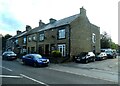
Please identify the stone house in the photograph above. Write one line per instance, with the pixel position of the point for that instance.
(70, 36)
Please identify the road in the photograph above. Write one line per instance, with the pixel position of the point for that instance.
(15, 73)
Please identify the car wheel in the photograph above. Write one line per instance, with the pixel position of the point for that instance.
(35, 64)
(86, 61)
(22, 62)
(93, 60)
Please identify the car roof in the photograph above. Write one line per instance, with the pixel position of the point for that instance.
(33, 54)
(8, 52)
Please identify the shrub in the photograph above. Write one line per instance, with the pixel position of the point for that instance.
(56, 53)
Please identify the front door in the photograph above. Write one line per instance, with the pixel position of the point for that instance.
(47, 49)
(61, 48)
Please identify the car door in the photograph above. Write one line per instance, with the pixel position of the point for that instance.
(30, 60)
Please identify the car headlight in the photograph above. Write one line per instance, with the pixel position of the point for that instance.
(8, 55)
(76, 57)
(39, 60)
(47, 60)
(83, 57)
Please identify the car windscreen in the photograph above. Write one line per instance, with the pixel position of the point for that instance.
(9, 52)
(108, 51)
(82, 54)
(37, 56)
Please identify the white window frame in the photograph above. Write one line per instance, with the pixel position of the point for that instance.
(16, 41)
(29, 38)
(61, 33)
(34, 38)
(62, 49)
(93, 38)
(24, 40)
(41, 37)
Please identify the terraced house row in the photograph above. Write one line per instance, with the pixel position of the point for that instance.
(70, 36)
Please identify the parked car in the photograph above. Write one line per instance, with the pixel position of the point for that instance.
(85, 57)
(9, 55)
(110, 53)
(101, 56)
(35, 60)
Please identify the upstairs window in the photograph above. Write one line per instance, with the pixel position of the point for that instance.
(61, 34)
(93, 38)
(29, 39)
(16, 41)
(41, 37)
(24, 40)
(34, 38)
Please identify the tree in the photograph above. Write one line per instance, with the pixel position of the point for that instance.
(105, 40)
(4, 39)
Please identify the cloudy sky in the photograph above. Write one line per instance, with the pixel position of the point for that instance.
(16, 14)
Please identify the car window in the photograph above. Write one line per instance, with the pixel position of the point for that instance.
(37, 56)
(108, 51)
(83, 54)
(27, 56)
(10, 52)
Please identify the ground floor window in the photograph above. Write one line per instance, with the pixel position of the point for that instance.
(61, 48)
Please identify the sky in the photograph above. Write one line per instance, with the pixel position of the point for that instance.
(16, 14)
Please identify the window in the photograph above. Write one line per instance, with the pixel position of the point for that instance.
(24, 40)
(34, 38)
(61, 48)
(93, 38)
(61, 33)
(16, 41)
(29, 39)
(41, 36)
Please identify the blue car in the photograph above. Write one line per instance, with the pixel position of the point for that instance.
(35, 60)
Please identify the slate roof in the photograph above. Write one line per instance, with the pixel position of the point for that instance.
(22, 34)
(36, 29)
(58, 23)
(61, 22)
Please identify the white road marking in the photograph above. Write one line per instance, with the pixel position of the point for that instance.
(6, 68)
(8, 76)
(34, 80)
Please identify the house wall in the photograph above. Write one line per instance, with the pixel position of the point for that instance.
(31, 44)
(51, 38)
(81, 36)
(96, 30)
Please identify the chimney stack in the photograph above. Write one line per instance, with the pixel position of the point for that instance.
(18, 32)
(82, 11)
(52, 20)
(28, 28)
(41, 24)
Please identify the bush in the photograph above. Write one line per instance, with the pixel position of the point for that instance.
(56, 53)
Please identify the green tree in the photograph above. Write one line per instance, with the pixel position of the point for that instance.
(105, 40)
(4, 39)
